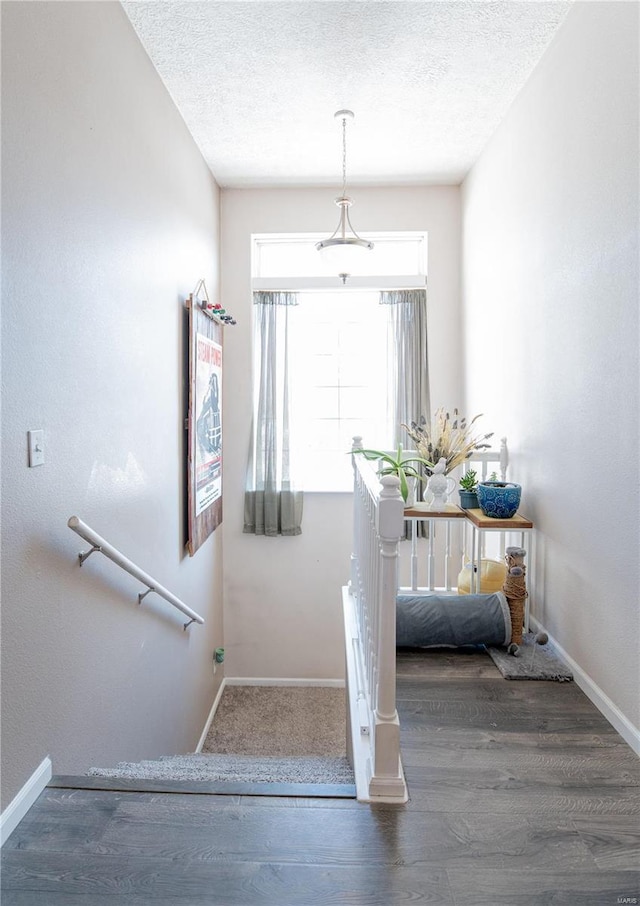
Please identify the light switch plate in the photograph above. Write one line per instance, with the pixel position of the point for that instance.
(36, 448)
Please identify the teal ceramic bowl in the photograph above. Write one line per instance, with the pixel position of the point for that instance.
(499, 499)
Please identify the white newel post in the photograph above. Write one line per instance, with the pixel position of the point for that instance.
(387, 778)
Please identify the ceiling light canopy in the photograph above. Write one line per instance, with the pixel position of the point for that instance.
(339, 248)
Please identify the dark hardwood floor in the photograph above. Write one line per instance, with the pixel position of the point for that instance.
(521, 794)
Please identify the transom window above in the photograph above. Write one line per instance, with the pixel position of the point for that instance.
(400, 256)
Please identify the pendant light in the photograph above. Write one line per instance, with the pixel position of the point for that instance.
(339, 249)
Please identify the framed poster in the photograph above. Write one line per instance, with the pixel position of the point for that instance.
(204, 425)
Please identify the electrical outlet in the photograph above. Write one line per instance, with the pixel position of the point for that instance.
(218, 658)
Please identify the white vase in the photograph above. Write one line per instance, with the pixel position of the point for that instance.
(437, 491)
(411, 491)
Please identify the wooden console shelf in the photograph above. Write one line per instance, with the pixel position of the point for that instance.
(515, 524)
(479, 524)
(476, 517)
(422, 511)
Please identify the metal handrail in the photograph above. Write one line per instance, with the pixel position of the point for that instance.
(98, 544)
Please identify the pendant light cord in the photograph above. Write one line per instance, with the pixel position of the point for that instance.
(344, 155)
(340, 237)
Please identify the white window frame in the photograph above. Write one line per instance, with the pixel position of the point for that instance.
(291, 284)
(334, 283)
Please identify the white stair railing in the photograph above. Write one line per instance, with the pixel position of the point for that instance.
(98, 544)
(370, 632)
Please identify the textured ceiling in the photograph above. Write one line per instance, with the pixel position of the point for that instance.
(258, 82)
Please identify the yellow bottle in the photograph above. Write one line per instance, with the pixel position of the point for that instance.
(492, 575)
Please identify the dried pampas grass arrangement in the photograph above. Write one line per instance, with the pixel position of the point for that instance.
(450, 437)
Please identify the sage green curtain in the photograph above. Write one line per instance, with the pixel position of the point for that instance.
(272, 503)
(409, 369)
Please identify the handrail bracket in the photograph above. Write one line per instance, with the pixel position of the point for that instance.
(186, 625)
(143, 595)
(85, 556)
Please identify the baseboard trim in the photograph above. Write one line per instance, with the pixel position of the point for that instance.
(283, 681)
(24, 799)
(212, 714)
(600, 699)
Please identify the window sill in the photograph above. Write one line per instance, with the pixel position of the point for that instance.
(326, 491)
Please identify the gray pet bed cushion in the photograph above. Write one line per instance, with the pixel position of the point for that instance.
(449, 621)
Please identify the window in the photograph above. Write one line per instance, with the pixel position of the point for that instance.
(339, 384)
(340, 350)
(296, 256)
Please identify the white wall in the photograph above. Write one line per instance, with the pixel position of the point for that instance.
(282, 595)
(110, 216)
(550, 289)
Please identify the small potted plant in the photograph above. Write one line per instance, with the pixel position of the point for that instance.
(404, 468)
(467, 491)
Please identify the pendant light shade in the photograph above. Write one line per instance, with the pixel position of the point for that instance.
(340, 248)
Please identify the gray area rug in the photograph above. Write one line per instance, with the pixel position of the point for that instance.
(234, 768)
(534, 662)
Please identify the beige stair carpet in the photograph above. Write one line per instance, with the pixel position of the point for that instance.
(279, 721)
